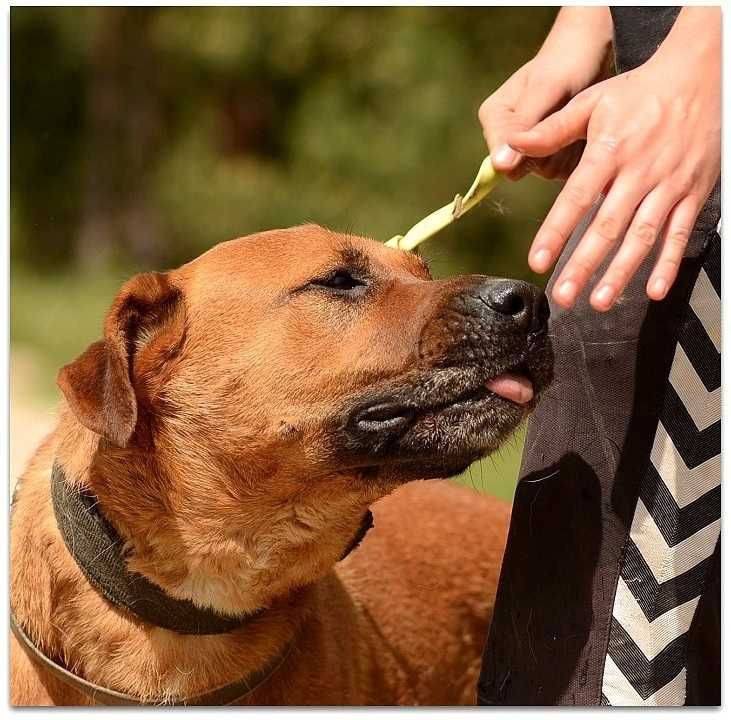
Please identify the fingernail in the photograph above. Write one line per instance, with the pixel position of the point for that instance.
(604, 295)
(659, 288)
(541, 260)
(567, 291)
(505, 156)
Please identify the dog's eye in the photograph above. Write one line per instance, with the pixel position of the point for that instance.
(339, 280)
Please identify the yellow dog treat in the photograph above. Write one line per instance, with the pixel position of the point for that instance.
(482, 186)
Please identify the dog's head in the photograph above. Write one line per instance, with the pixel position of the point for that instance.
(300, 373)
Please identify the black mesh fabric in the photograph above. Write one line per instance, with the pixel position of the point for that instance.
(579, 479)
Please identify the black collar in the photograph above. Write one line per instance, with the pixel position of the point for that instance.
(228, 694)
(99, 553)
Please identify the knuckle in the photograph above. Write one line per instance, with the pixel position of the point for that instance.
(694, 201)
(618, 276)
(645, 234)
(678, 237)
(581, 268)
(608, 105)
(608, 228)
(670, 265)
(555, 126)
(692, 177)
(655, 112)
(607, 145)
(578, 195)
(601, 154)
(550, 236)
(676, 189)
(682, 185)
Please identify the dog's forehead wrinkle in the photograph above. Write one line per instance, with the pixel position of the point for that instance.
(352, 256)
(296, 255)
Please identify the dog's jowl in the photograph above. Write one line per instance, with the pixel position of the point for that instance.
(179, 536)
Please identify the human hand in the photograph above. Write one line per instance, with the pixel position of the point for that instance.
(574, 55)
(653, 148)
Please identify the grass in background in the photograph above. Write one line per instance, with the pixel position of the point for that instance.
(57, 317)
(498, 473)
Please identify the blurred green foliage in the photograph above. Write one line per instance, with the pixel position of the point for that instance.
(142, 136)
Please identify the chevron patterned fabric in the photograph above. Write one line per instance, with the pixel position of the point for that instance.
(676, 526)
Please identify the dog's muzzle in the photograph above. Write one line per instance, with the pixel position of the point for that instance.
(483, 359)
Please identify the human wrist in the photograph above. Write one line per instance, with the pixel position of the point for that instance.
(692, 45)
(579, 47)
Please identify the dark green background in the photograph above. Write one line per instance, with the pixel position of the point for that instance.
(140, 137)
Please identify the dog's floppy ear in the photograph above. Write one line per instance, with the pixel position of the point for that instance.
(99, 385)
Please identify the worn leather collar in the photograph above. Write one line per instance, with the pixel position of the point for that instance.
(225, 695)
(98, 550)
(99, 553)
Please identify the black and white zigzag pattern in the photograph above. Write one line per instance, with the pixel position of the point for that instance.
(677, 519)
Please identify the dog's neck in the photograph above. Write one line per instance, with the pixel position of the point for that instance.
(85, 629)
(99, 553)
(240, 554)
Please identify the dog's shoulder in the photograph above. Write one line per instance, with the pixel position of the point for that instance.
(430, 562)
(444, 512)
(433, 538)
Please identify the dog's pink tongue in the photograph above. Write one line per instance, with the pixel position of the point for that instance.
(512, 387)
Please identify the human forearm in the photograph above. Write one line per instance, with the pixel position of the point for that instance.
(695, 33)
(691, 55)
(581, 38)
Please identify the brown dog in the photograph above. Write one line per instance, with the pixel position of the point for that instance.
(233, 427)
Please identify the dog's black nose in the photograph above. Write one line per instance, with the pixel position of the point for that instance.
(525, 303)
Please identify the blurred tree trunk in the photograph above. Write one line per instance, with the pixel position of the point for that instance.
(124, 124)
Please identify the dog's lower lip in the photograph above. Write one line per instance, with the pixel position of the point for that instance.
(512, 386)
(394, 417)
(385, 416)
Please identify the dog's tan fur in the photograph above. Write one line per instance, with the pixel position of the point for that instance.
(207, 453)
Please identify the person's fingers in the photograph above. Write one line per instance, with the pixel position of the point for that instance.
(541, 95)
(498, 119)
(520, 171)
(603, 234)
(505, 159)
(558, 130)
(637, 244)
(558, 166)
(502, 115)
(527, 97)
(580, 192)
(675, 238)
